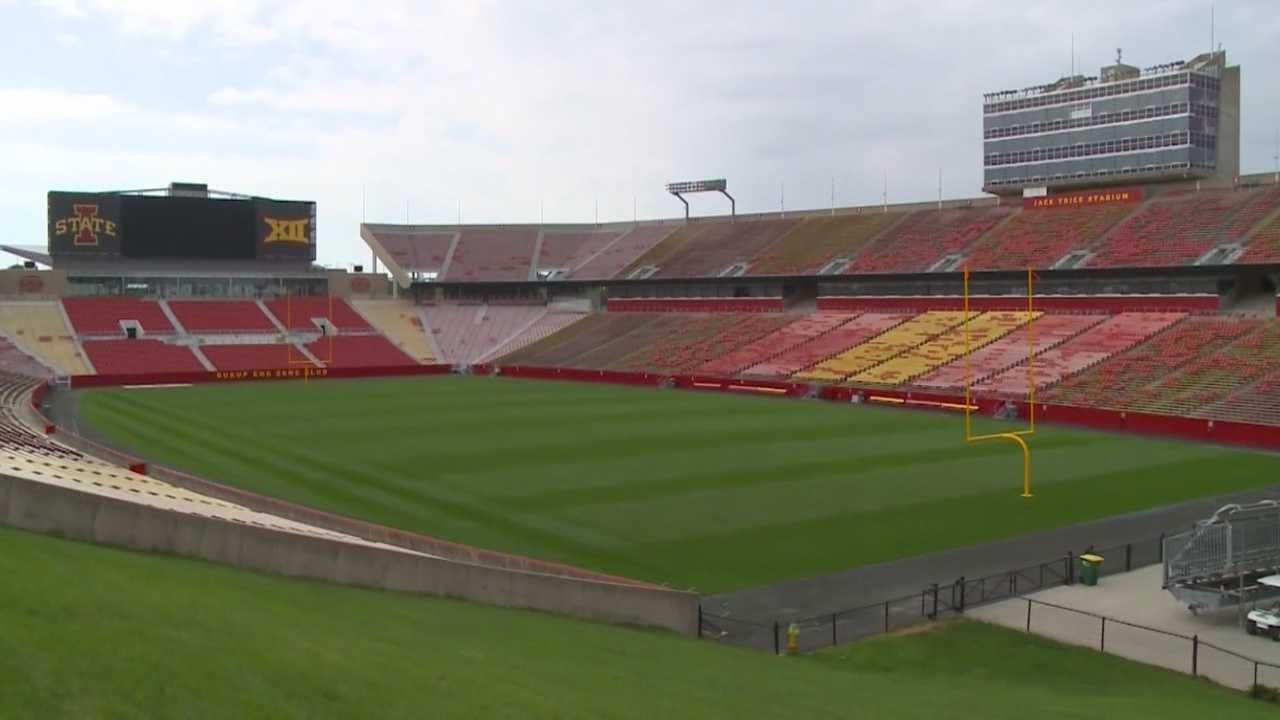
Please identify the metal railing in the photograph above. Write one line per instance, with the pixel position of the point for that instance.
(935, 602)
(1175, 651)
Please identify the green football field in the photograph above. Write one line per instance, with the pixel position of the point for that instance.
(700, 490)
(92, 632)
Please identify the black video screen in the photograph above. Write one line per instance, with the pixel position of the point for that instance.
(178, 227)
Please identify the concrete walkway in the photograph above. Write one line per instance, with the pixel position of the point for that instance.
(1136, 599)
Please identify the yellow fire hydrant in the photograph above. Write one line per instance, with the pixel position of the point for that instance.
(793, 639)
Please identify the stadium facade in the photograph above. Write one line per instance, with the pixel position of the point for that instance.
(1180, 120)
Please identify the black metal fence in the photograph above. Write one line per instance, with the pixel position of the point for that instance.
(931, 603)
(1183, 653)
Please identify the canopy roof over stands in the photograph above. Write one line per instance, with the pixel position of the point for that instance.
(26, 252)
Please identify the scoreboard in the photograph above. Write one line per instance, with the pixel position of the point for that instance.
(180, 227)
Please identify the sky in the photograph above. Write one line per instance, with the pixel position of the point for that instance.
(563, 111)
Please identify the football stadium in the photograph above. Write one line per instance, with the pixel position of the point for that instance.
(1013, 451)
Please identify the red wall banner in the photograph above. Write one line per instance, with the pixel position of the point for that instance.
(188, 378)
(1086, 197)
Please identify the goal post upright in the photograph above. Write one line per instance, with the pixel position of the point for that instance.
(306, 363)
(1015, 436)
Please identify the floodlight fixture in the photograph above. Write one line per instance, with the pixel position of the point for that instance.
(720, 185)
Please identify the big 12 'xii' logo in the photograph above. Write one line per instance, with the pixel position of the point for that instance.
(287, 231)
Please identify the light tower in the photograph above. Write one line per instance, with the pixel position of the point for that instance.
(679, 189)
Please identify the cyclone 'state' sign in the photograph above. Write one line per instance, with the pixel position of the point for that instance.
(84, 223)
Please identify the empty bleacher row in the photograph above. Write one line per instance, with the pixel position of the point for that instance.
(325, 332)
(33, 457)
(1076, 354)
(466, 333)
(855, 330)
(129, 336)
(688, 346)
(1161, 362)
(1126, 375)
(40, 329)
(774, 344)
(1044, 334)
(709, 249)
(978, 332)
(1168, 362)
(1182, 229)
(492, 254)
(1170, 229)
(884, 347)
(221, 316)
(1041, 238)
(924, 239)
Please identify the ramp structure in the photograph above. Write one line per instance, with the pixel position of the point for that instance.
(1218, 563)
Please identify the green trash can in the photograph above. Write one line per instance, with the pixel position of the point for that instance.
(1089, 565)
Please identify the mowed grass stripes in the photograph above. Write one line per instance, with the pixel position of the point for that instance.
(703, 490)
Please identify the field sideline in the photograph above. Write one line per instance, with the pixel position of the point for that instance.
(97, 632)
(700, 490)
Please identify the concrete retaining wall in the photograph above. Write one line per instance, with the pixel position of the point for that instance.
(68, 513)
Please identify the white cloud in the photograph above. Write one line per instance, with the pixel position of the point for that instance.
(64, 8)
(38, 105)
(501, 105)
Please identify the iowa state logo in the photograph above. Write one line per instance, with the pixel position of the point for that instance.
(287, 231)
(31, 284)
(84, 225)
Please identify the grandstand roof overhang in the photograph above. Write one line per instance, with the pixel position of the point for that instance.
(35, 255)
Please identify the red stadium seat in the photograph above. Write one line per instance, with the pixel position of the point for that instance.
(140, 357)
(221, 316)
(102, 316)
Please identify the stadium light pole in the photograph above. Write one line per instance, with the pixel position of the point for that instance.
(680, 189)
(1276, 157)
(782, 198)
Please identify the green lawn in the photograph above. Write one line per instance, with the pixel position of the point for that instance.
(701, 490)
(89, 632)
